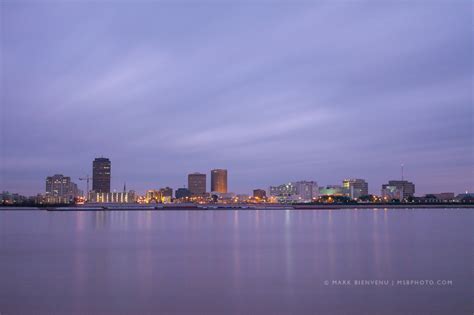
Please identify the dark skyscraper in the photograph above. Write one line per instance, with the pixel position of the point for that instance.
(197, 184)
(219, 180)
(101, 168)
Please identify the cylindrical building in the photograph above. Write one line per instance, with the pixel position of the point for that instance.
(219, 181)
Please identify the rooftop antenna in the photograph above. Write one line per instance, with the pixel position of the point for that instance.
(402, 170)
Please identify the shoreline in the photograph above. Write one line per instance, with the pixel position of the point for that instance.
(243, 207)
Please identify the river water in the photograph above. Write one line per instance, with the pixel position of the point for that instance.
(365, 261)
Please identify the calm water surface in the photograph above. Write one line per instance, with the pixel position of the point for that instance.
(236, 262)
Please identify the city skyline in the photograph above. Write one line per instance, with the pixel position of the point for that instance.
(197, 185)
(236, 157)
(207, 183)
(272, 94)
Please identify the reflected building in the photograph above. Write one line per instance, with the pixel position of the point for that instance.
(197, 184)
(219, 181)
(101, 172)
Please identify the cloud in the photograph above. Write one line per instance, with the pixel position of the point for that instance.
(310, 90)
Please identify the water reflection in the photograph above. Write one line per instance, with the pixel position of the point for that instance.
(288, 233)
(145, 220)
(236, 251)
(263, 261)
(376, 243)
(100, 219)
(387, 244)
(80, 221)
(331, 243)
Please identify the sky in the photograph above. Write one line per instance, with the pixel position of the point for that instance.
(272, 91)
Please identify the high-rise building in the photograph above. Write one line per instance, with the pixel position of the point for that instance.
(406, 188)
(58, 185)
(355, 187)
(259, 193)
(197, 184)
(60, 188)
(306, 190)
(219, 181)
(101, 169)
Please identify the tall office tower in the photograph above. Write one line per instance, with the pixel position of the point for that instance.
(197, 184)
(101, 169)
(219, 181)
(407, 188)
(307, 190)
(60, 189)
(355, 187)
(58, 185)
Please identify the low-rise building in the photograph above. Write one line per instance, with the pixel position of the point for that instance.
(284, 193)
(445, 196)
(7, 198)
(182, 193)
(465, 198)
(112, 197)
(332, 190)
(260, 194)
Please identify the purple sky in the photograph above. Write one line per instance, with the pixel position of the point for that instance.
(273, 92)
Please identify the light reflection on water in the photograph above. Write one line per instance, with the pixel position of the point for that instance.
(249, 261)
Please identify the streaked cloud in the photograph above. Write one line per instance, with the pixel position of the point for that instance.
(278, 91)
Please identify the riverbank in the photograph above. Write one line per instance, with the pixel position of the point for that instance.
(175, 207)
